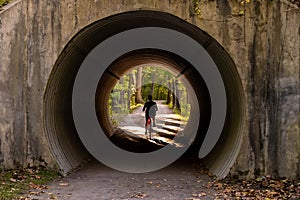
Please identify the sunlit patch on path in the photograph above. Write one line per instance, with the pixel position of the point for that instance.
(168, 125)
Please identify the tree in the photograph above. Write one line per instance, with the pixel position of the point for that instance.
(173, 94)
(122, 91)
(152, 83)
(130, 82)
(138, 97)
(169, 91)
(177, 95)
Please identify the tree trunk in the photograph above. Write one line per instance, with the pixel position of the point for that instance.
(138, 97)
(129, 91)
(177, 92)
(173, 94)
(158, 94)
(152, 84)
(169, 91)
(121, 99)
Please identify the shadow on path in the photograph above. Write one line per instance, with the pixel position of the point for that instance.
(184, 179)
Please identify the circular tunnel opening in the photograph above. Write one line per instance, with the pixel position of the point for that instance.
(65, 143)
(182, 93)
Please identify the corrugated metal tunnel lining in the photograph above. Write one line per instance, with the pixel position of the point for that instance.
(164, 60)
(58, 121)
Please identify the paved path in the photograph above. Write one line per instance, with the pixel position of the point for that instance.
(168, 124)
(182, 180)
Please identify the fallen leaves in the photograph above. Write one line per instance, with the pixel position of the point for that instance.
(202, 194)
(63, 184)
(13, 183)
(13, 180)
(139, 195)
(197, 196)
(37, 186)
(259, 188)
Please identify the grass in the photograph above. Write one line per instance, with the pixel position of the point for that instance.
(14, 183)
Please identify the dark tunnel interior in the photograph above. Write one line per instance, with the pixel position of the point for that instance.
(61, 133)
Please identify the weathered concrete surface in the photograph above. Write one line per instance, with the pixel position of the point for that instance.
(262, 37)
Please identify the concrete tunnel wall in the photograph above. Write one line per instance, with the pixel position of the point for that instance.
(58, 96)
(45, 42)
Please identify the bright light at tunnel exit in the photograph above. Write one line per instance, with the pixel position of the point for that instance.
(127, 99)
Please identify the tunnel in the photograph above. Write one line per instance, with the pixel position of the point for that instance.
(179, 67)
(67, 144)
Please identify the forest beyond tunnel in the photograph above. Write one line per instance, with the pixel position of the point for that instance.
(171, 67)
(67, 146)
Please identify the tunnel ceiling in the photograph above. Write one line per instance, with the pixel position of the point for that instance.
(65, 144)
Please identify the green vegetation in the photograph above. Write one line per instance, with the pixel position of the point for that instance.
(133, 107)
(238, 10)
(182, 116)
(196, 7)
(13, 183)
(4, 2)
(133, 88)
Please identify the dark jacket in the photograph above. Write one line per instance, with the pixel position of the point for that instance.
(151, 108)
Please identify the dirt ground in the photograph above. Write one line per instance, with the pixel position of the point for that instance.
(181, 180)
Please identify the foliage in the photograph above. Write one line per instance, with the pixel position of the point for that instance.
(196, 7)
(242, 6)
(160, 83)
(133, 107)
(237, 10)
(13, 183)
(4, 2)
